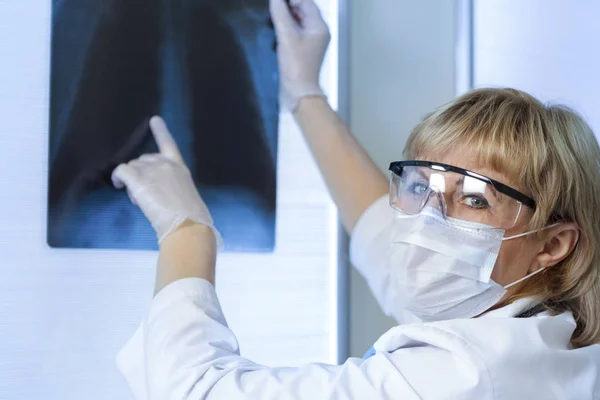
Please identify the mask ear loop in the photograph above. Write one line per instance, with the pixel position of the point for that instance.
(531, 232)
(524, 278)
(539, 270)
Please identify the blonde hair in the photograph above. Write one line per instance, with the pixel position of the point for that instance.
(553, 155)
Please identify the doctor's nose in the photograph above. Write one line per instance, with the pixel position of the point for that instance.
(435, 199)
(436, 192)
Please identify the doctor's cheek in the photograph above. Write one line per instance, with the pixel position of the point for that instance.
(513, 262)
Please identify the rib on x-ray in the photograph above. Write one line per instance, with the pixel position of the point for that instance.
(208, 67)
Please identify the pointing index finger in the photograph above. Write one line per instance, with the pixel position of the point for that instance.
(166, 144)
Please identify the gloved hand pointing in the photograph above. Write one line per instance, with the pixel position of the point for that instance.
(302, 40)
(162, 186)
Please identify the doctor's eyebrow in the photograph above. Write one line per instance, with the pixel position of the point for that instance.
(424, 172)
(493, 190)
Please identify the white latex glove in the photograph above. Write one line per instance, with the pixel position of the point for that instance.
(302, 40)
(162, 186)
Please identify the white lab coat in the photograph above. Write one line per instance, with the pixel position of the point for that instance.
(184, 350)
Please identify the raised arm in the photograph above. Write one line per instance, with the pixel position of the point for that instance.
(352, 178)
(162, 186)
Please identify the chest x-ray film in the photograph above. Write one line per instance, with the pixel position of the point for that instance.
(208, 67)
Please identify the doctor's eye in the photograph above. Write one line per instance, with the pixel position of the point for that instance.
(417, 188)
(476, 202)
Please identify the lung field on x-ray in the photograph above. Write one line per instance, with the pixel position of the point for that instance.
(208, 67)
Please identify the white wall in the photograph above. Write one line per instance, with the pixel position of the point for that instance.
(551, 50)
(402, 65)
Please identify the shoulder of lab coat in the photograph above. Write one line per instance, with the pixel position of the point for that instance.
(523, 358)
(184, 350)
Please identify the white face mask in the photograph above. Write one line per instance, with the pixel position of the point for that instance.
(443, 268)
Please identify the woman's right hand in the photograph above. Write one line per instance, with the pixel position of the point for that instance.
(302, 40)
(162, 186)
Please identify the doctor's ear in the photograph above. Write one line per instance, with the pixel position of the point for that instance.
(559, 243)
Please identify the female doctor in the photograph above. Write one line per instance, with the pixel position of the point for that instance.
(489, 255)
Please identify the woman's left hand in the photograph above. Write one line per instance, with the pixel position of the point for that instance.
(162, 186)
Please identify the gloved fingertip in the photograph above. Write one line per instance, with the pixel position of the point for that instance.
(164, 140)
(116, 181)
(117, 184)
(157, 122)
(123, 175)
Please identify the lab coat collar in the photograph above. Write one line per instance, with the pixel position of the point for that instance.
(513, 309)
(389, 340)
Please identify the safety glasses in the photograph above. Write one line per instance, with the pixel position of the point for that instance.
(460, 194)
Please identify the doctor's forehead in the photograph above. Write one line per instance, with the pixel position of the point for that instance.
(467, 158)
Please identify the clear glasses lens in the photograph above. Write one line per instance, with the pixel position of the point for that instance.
(459, 196)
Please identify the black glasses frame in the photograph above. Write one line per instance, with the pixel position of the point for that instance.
(397, 166)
